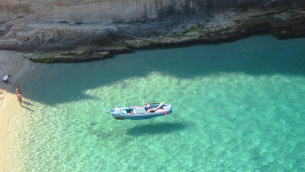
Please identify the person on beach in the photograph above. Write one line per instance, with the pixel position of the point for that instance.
(19, 98)
(6, 79)
(18, 90)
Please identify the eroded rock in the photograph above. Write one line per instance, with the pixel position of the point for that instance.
(94, 29)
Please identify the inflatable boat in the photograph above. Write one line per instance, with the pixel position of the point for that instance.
(141, 112)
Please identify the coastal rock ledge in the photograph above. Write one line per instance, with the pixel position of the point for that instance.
(82, 30)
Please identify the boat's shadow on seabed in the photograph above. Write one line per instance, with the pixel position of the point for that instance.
(159, 128)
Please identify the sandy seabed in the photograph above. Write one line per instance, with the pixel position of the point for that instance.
(11, 63)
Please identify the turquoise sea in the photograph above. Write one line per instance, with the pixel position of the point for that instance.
(238, 106)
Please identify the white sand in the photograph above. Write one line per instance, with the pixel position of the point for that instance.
(10, 63)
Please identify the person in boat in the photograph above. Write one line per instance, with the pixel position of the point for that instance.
(148, 108)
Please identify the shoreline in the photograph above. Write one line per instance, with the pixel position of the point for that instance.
(15, 65)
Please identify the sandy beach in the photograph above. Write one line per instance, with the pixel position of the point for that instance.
(11, 63)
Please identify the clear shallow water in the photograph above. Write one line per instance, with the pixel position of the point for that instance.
(237, 107)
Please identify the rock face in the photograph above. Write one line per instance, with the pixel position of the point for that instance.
(114, 11)
(105, 25)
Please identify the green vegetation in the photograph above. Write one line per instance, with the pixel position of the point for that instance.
(187, 30)
(195, 28)
(43, 58)
(177, 35)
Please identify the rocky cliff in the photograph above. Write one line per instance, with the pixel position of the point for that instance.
(96, 28)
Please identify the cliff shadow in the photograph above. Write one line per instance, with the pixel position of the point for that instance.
(260, 55)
